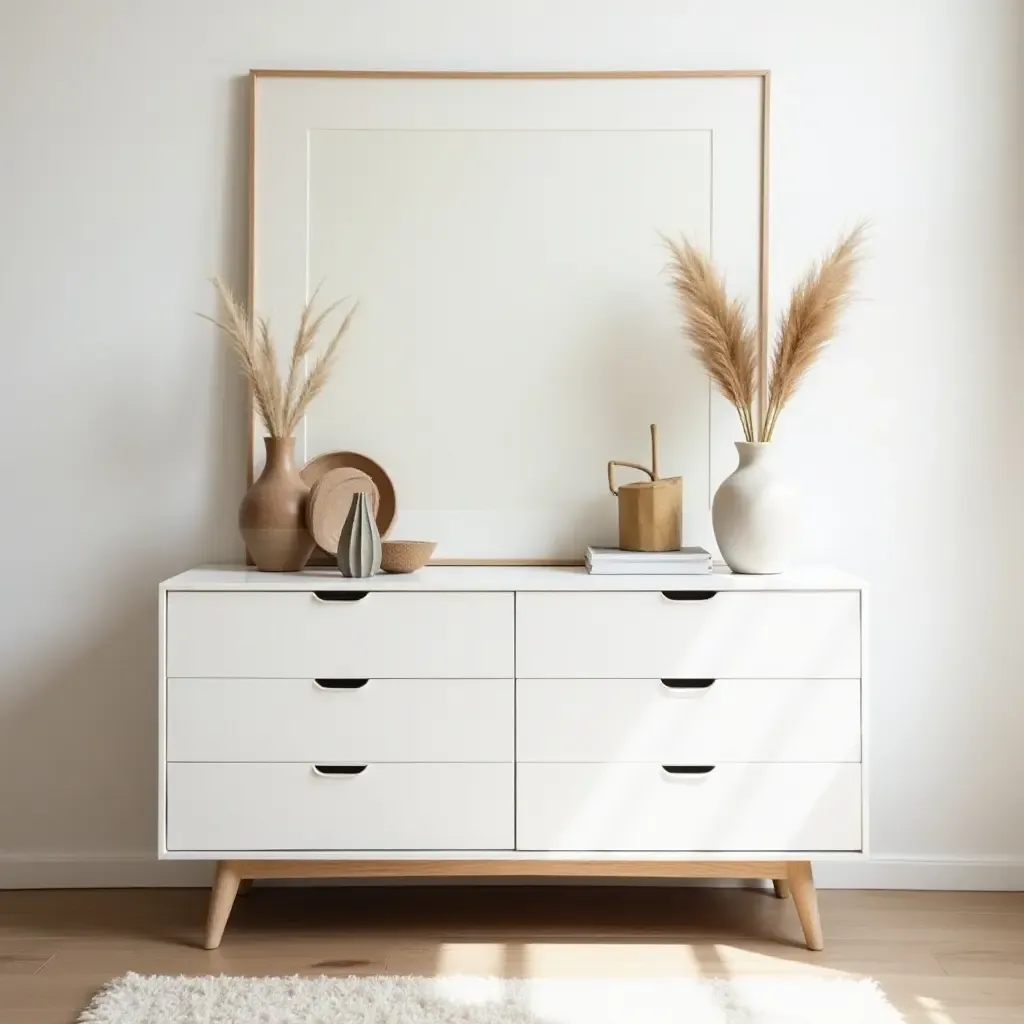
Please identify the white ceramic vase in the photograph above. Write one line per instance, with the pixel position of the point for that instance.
(756, 513)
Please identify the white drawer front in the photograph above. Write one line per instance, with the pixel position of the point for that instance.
(256, 807)
(743, 635)
(687, 721)
(349, 720)
(735, 807)
(295, 634)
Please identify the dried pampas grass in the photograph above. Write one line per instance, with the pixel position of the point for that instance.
(280, 405)
(724, 341)
(811, 321)
(717, 327)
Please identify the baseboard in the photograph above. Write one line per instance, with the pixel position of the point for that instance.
(969, 874)
(144, 871)
(101, 871)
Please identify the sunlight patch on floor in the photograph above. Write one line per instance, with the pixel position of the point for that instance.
(735, 961)
(485, 959)
(934, 1010)
(627, 960)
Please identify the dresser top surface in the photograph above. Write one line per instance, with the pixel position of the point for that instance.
(505, 578)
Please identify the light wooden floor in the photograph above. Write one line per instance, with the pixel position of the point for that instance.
(942, 958)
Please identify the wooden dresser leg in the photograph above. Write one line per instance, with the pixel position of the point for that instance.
(781, 888)
(801, 883)
(222, 898)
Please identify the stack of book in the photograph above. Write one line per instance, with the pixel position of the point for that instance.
(615, 561)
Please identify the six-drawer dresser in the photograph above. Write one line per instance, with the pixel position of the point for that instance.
(512, 721)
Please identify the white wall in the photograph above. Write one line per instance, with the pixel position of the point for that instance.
(123, 185)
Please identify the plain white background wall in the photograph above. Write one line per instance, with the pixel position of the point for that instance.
(123, 160)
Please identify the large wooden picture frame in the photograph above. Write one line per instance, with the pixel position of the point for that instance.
(516, 330)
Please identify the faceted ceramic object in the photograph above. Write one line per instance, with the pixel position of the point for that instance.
(359, 545)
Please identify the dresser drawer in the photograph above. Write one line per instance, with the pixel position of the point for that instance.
(744, 635)
(354, 720)
(734, 807)
(265, 807)
(296, 634)
(688, 721)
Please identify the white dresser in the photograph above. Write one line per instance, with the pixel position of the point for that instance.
(519, 721)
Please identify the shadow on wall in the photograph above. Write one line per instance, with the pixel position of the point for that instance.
(149, 479)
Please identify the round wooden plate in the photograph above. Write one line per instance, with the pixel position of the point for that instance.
(330, 499)
(387, 504)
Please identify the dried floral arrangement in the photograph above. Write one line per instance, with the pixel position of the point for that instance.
(726, 344)
(281, 404)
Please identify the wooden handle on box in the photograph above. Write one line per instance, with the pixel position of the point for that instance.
(624, 465)
(652, 472)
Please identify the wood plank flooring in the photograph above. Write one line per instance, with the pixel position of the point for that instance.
(941, 958)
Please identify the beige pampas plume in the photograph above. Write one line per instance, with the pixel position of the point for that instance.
(321, 372)
(811, 321)
(717, 328)
(725, 343)
(280, 405)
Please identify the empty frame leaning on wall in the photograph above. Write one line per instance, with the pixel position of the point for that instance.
(502, 232)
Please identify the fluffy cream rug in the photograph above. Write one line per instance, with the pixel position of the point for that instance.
(138, 999)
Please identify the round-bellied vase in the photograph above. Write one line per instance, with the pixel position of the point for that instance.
(756, 513)
(272, 516)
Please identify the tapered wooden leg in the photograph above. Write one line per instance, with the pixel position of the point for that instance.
(222, 898)
(781, 888)
(805, 897)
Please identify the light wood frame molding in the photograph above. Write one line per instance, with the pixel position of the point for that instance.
(762, 75)
(790, 877)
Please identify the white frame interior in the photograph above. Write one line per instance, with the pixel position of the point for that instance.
(291, 109)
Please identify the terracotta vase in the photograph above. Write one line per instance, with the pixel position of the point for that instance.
(272, 516)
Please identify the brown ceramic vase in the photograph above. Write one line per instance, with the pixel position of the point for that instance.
(272, 516)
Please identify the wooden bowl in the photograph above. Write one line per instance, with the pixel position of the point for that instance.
(406, 555)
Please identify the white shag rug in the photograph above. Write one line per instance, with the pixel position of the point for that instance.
(141, 999)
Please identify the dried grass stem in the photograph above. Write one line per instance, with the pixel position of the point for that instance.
(717, 328)
(725, 342)
(280, 405)
(811, 321)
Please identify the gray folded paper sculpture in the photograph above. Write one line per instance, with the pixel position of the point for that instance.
(359, 545)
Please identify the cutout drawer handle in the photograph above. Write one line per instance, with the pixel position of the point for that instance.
(689, 595)
(330, 771)
(687, 769)
(339, 595)
(687, 684)
(339, 684)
